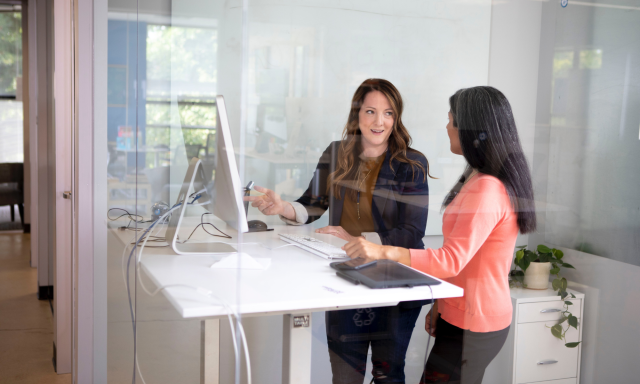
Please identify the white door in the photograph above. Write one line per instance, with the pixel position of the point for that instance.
(63, 142)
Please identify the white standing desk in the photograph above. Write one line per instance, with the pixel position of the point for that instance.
(296, 284)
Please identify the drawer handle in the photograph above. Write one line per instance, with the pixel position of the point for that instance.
(550, 310)
(546, 362)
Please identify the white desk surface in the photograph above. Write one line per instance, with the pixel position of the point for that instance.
(296, 282)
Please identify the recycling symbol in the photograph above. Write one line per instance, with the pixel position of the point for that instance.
(363, 316)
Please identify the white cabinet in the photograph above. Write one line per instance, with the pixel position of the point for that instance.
(531, 353)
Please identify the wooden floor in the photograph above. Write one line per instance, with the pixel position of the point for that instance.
(26, 324)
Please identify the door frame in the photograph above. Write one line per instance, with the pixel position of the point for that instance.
(90, 191)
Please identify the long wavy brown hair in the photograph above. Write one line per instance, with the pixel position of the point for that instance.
(351, 146)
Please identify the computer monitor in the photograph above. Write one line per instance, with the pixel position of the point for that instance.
(224, 199)
(228, 204)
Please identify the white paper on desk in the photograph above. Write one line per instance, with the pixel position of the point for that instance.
(242, 261)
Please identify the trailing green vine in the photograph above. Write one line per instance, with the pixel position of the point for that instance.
(543, 254)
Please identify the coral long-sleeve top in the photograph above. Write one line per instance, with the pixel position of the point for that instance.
(480, 230)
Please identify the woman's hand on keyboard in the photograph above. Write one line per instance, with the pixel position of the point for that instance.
(336, 231)
(366, 249)
(271, 204)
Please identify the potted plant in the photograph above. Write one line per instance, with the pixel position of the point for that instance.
(535, 269)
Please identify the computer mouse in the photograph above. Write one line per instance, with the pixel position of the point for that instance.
(257, 224)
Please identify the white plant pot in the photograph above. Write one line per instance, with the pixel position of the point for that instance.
(537, 276)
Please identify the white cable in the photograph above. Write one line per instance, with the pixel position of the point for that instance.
(124, 276)
(426, 353)
(139, 258)
(122, 266)
(229, 312)
(144, 288)
(246, 351)
(146, 238)
(199, 192)
(207, 293)
(200, 290)
(148, 234)
(139, 370)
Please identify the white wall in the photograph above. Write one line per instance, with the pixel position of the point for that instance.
(515, 42)
(513, 69)
(611, 333)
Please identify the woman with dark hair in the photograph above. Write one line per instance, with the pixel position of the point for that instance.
(482, 216)
(375, 187)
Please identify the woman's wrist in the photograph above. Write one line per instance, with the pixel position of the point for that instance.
(399, 254)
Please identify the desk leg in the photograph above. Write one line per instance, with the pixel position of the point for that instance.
(210, 352)
(296, 349)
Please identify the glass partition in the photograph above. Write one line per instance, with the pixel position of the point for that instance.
(287, 89)
(304, 63)
(287, 73)
(162, 87)
(587, 156)
(592, 123)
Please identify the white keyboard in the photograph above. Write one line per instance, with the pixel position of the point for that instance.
(315, 246)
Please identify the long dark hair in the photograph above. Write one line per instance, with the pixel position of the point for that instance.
(490, 144)
(350, 147)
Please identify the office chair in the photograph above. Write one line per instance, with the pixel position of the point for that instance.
(12, 187)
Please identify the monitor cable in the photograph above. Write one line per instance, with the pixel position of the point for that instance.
(200, 290)
(426, 352)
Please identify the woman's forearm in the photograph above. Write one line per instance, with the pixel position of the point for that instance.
(288, 212)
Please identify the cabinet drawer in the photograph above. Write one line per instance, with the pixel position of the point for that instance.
(546, 310)
(542, 357)
(573, 380)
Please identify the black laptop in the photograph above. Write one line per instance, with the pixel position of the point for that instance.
(385, 274)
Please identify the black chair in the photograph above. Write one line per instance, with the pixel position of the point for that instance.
(193, 150)
(12, 187)
(210, 148)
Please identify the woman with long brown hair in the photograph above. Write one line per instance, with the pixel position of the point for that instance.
(374, 186)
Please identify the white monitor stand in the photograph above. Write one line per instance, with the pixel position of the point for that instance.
(194, 178)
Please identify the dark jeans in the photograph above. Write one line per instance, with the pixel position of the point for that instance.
(460, 356)
(387, 329)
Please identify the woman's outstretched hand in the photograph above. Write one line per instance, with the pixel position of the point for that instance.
(271, 204)
(366, 249)
(336, 231)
